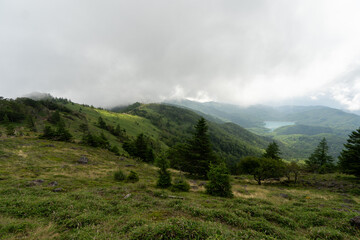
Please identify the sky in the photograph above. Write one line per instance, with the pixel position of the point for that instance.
(115, 52)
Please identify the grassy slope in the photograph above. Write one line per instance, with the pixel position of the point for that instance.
(92, 205)
(165, 125)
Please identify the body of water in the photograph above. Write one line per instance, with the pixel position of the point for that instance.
(272, 125)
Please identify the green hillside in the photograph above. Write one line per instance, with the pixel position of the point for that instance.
(66, 190)
(229, 140)
(163, 124)
(312, 123)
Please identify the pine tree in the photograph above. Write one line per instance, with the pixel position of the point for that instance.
(101, 123)
(30, 123)
(349, 160)
(141, 147)
(164, 180)
(272, 151)
(198, 152)
(219, 184)
(320, 161)
(55, 117)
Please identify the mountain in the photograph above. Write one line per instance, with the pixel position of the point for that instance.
(310, 124)
(164, 125)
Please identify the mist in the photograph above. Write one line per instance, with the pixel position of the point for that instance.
(108, 53)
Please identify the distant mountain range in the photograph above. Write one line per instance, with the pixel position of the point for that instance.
(255, 116)
(311, 123)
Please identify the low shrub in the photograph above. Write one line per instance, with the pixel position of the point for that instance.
(180, 228)
(119, 176)
(180, 185)
(132, 177)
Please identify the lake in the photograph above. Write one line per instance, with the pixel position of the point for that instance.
(272, 125)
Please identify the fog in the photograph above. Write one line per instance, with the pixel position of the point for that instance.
(110, 53)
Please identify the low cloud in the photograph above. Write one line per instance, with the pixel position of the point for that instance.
(244, 52)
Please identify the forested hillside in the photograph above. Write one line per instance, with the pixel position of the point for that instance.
(162, 125)
(311, 124)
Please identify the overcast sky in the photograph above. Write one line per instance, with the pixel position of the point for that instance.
(108, 52)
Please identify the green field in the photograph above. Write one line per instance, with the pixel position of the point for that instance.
(87, 203)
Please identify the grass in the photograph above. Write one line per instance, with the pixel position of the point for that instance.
(91, 204)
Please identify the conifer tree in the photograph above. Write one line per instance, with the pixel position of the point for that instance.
(272, 151)
(320, 161)
(219, 184)
(101, 123)
(198, 153)
(31, 123)
(349, 160)
(164, 179)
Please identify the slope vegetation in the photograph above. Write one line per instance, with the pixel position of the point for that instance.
(46, 193)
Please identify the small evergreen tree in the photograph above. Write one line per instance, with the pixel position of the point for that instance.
(55, 118)
(30, 123)
(62, 134)
(164, 180)
(198, 153)
(320, 161)
(101, 123)
(219, 181)
(132, 177)
(117, 130)
(349, 160)
(272, 151)
(115, 150)
(140, 148)
(10, 130)
(49, 133)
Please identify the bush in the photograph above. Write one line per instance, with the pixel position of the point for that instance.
(132, 177)
(10, 130)
(115, 150)
(119, 176)
(219, 184)
(60, 134)
(180, 185)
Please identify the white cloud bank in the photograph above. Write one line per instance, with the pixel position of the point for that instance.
(243, 52)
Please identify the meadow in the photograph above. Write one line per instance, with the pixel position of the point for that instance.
(46, 193)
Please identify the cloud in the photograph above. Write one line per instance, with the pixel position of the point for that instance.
(115, 52)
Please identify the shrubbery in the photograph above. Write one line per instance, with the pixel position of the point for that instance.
(60, 134)
(180, 185)
(119, 176)
(132, 177)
